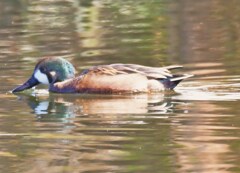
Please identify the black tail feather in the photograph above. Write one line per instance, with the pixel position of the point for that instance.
(168, 84)
(172, 82)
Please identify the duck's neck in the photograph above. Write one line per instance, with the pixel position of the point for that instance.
(66, 86)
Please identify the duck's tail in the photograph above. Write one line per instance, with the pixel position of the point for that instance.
(172, 82)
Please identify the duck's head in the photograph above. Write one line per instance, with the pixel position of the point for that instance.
(48, 71)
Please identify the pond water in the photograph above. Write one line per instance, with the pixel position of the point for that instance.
(195, 128)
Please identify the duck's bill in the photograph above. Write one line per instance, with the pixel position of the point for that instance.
(29, 84)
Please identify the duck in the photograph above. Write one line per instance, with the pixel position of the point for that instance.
(60, 76)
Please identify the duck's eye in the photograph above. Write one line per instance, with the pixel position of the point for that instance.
(50, 77)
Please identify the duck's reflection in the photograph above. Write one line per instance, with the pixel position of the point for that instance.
(66, 106)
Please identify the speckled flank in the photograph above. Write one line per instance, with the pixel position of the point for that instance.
(94, 83)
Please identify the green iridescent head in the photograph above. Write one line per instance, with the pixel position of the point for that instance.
(49, 71)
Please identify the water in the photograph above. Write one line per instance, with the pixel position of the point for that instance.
(192, 129)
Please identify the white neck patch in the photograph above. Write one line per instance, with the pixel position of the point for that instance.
(41, 77)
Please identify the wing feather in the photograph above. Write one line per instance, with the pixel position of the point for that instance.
(149, 72)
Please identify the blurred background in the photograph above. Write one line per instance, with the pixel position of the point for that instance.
(192, 129)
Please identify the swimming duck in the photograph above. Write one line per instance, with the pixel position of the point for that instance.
(59, 75)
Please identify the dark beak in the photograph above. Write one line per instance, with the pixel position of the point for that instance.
(29, 84)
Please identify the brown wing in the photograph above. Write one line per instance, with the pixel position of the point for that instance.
(116, 69)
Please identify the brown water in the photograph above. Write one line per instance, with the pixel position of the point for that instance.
(194, 129)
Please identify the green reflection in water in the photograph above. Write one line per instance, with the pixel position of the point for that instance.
(195, 130)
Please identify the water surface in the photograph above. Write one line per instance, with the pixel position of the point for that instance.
(192, 129)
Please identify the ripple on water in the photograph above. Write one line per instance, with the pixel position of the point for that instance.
(218, 88)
